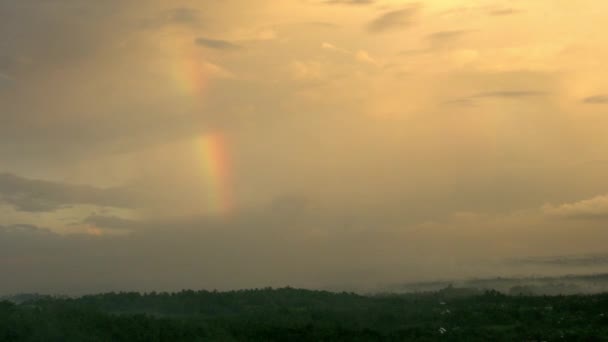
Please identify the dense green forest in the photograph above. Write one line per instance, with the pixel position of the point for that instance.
(288, 314)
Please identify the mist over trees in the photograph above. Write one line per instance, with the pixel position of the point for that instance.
(301, 315)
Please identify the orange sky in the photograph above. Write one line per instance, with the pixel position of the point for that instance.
(481, 123)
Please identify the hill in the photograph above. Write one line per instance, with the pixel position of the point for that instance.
(301, 315)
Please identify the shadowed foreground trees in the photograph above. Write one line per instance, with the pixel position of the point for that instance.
(301, 315)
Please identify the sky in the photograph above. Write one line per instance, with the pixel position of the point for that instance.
(162, 145)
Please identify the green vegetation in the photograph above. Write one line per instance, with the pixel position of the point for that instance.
(301, 315)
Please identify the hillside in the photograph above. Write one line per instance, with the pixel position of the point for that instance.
(301, 315)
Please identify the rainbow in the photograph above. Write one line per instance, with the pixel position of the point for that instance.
(216, 169)
(191, 74)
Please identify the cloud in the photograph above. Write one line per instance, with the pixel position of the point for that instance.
(393, 20)
(332, 47)
(503, 12)
(361, 56)
(291, 242)
(436, 41)
(24, 229)
(184, 15)
(57, 57)
(504, 94)
(307, 70)
(566, 260)
(97, 97)
(234, 254)
(43, 196)
(364, 57)
(350, 2)
(596, 99)
(180, 16)
(490, 10)
(509, 94)
(111, 222)
(591, 209)
(52, 33)
(217, 44)
(443, 37)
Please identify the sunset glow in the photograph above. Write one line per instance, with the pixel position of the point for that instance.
(248, 143)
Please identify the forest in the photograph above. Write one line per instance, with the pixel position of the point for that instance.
(288, 314)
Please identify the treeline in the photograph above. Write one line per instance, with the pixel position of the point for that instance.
(301, 315)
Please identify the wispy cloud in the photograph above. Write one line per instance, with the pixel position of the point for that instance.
(437, 41)
(503, 12)
(24, 229)
(323, 24)
(442, 37)
(596, 99)
(393, 20)
(111, 222)
(349, 2)
(509, 94)
(489, 10)
(590, 209)
(40, 196)
(361, 56)
(217, 44)
(566, 260)
(180, 16)
(503, 94)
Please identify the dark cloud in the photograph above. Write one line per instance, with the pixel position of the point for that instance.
(587, 216)
(505, 94)
(223, 256)
(217, 44)
(69, 124)
(37, 34)
(281, 210)
(111, 222)
(81, 131)
(40, 196)
(284, 244)
(58, 57)
(393, 20)
(596, 99)
(24, 229)
(568, 260)
(290, 242)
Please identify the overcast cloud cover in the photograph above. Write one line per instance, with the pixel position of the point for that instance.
(366, 142)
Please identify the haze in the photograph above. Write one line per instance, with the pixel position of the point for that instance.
(162, 145)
